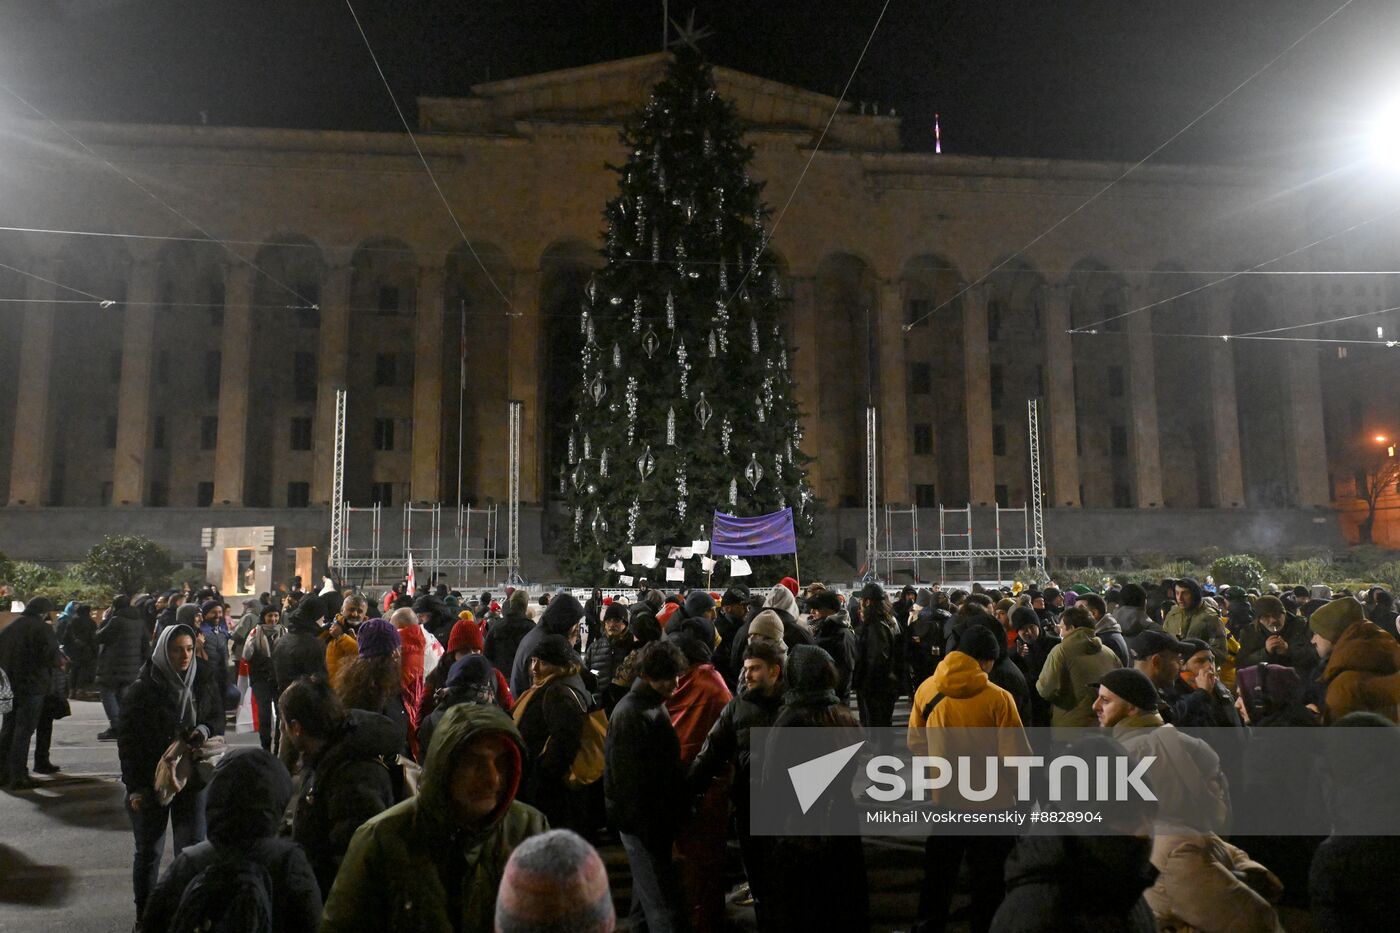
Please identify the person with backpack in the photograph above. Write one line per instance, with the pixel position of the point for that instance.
(174, 697)
(243, 878)
(551, 718)
(462, 825)
(348, 771)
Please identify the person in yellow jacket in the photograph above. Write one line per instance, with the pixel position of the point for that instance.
(341, 645)
(959, 695)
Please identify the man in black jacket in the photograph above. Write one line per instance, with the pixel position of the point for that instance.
(1275, 637)
(831, 628)
(346, 779)
(300, 652)
(879, 672)
(644, 786)
(756, 706)
(29, 655)
(562, 616)
(503, 637)
(123, 644)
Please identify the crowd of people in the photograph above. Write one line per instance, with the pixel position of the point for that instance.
(443, 761)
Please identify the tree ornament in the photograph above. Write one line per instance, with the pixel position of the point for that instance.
(579, 478)
(583, 321)
(681, 491)
(723, 275)
(758, 408)
(650, 343)
(592, 290)
(587, 448)
(599, 525)
(707, 144)
(596, 390)
(655, 245)
(733, 493)
(714, 344)
(631, 409)
(603, 462)
(573, 455)
(684, 361)
(725, 431)
(578, 522)
(704, 411)
(670, 427)
(633, 511)
(689, 211)
(775, 286)
(753, 336)
(617, 357)
(753, 472)
(646, 464)
(563, 480)
(636, 314)
(670, 311)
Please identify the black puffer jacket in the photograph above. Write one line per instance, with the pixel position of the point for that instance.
(729, 742)
(29, 650)
(123, 646)
(150, 721)
(643, 781)
(346, 784)
(247, 797)
(300, 652)
(835, 636)
(503, 640)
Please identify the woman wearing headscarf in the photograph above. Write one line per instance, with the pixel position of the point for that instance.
(173, 697)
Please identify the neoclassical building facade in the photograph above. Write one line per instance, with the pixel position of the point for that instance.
(181, 303)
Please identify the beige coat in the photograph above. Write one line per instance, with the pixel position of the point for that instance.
(1208, 885)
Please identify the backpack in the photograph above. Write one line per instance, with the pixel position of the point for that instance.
(7, 695)
(587, 766)
(226, 897)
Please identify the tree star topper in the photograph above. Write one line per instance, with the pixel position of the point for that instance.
(690, 34)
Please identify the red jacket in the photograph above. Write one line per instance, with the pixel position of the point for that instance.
(699, 698)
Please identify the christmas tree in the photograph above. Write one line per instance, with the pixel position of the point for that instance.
(685, 404)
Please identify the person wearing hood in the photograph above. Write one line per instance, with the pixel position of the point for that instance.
(471, 679)
(1363, 671)
(831, 628)
(1072, 667)
(924, 636)
(248, 794)
(1191, 618)
(122, 648)
(959, 694)
(174, 697)
(1131, 611)
(435, 617)
(440, 855)
(561, 617)
(29, 655)
(258, 645)
(346, 776)
(1106, 627)
(300, 652)
(551, 717)
(504, 637)
(464, 642)
(252, 612)
(78, 639)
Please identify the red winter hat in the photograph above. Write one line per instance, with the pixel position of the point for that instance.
(790, 583)
(465, 637)
(607, 600)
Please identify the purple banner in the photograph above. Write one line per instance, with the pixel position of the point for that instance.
(753, 537)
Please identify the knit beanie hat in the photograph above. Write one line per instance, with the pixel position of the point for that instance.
(208, 605)
(472, 671)
(807, 679)
(980, 643)
(1024, 617)
(1132, 685)
(1332, 619)
(616, 612)
(697, 603)
(1268, 606)
(554, 881)
(378, 637)
(695, 650)
(790, 583)
(767, 624)
(465, 637)
(554, 649)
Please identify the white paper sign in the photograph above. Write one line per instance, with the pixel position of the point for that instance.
(676, 574)
(707, 564)
(644, 554)
(738, 567)
(685, 553)
(700, 547)
(618, 565)
(625, 580)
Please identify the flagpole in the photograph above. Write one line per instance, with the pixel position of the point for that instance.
(796, 570)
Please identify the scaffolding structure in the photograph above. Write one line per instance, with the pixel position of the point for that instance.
(956, 546)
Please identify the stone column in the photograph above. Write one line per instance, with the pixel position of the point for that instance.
(1142, 391)
(523, 369)
(1059, 390)
(129, 473)
(1307, 441)
(235, 357)
(427, 387)
(332, 363)
(894, 397)
(1224, 405)
(806, 372)
(33, 450)
(977, 377)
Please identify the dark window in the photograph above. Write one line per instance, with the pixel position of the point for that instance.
(997, 383)
(916, 311)
(160, 494)
(213, 363)
(163, 367)
(1118, 440)
(923, 440)
(111, 432)
(105, 495)
(208, 432)
(382, 493)
(1039, 379)
(386, 369)
(388, 299)
(158, 433)
(1115, 382)
(301, 434)
(924, 496)
(999, 440)
(993, 321)
(1360, 480)
(384, 434)
(304, 376)
(204, 495)
(920, 379)
(1122, 497)
(298, 495)
(216, 304)
(1003, 498)
(114, 366)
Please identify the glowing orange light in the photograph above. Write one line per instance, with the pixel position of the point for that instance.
(1380, 438)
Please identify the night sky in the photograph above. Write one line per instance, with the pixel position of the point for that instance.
(1098, 79)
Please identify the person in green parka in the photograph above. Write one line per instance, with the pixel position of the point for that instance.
(435, 861)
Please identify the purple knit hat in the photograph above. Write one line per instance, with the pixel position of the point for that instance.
(377, 637)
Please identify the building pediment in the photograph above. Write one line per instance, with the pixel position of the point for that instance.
(609, 92)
